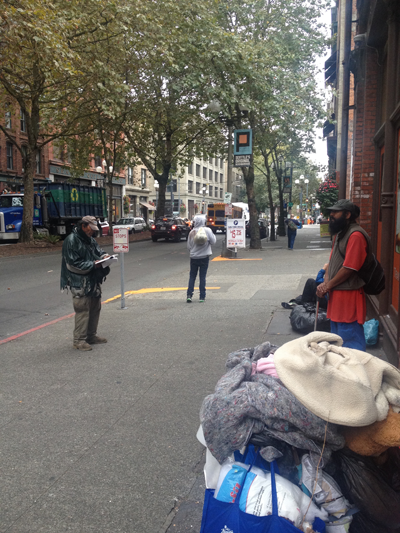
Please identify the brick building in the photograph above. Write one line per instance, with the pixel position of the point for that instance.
(363, 144)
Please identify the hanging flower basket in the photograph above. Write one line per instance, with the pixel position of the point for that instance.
(126, 204)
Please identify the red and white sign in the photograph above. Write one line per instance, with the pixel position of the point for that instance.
(120, 240)
(228, 210)
(235, 233)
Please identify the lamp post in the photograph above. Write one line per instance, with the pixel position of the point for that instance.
(205, 191)
(156, 186)
(300, 182)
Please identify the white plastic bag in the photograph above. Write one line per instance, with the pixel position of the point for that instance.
(256, 499)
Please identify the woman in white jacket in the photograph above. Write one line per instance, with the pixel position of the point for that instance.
(199, 257)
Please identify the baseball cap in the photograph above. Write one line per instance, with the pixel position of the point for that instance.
(91, 221)
(342, 205)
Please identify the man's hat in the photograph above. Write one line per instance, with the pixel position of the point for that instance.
(91, 221)
(342, 205)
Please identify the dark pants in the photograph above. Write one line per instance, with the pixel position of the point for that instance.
(200, 264)
(310, 294)
(291, 235)
(87, 316)
(352, 334)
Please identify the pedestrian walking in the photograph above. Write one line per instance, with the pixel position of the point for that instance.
(347, 304)
(83, 276)
(292, 225)
(199, 245)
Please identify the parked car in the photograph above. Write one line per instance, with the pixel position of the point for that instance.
(264, 229)
(169, 228)
(134, 224)
(105, 226)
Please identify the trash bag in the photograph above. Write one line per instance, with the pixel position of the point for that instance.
(362, 524)
(302, 319)
(371, 487)
(371, 332)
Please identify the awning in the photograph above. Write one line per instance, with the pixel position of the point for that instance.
(330, 68)
(149, 207)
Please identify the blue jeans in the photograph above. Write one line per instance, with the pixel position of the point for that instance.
(200, 264)
(291, 235)
(352, 334)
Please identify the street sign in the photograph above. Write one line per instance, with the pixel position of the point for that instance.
(227, 198)
(243, 142)
(235, 233)
(120, 240)
(228, 210)
(290, 204)
(241, 160)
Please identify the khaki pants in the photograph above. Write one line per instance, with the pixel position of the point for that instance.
(87, 316)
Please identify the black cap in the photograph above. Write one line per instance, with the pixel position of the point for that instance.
(342, 205)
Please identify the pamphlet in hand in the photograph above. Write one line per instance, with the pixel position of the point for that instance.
(107, 261)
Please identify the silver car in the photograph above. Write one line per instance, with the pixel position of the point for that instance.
(133, 224)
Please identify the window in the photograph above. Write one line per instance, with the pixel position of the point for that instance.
(204, 173)
(190, 186)
(198, 171)
(221, 163)
(197, 187)
(210, 191)
(24, 150)
(216, 161)
(97, 161)
(190, 168)
(130, 175)
(23, 121)
(143, 177)
(210, 175)
(220, 193)
(211, 160)
(221, 178)
(10, 160)
(216, 177)
(174, 185)
(8, 119)
(38, 162)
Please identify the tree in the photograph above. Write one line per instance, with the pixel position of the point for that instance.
(44, 71)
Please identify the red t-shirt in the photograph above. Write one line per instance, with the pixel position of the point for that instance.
(350, 306)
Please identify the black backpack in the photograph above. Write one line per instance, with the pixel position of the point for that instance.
(372, 273)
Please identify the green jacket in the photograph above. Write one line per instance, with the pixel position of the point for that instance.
(79, 252)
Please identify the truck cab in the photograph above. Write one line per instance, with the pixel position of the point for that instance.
(11, 209)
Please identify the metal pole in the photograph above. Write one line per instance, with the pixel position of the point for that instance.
(301, 204)
(122, 282)
(230, 166)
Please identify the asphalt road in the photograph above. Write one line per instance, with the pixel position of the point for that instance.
(105, 441)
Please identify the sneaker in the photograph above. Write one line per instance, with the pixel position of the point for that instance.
(82, 345)
(189, 300)
(97, 340)
(201, 301)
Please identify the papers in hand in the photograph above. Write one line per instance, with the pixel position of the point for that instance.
(107, 261)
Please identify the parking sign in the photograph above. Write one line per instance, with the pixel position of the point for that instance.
(120, 240)
(235, 233)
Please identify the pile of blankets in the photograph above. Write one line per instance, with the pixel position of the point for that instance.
(313, 396)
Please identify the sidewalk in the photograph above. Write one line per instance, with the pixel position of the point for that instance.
(105, 441)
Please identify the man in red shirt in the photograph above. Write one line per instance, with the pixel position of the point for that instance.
(347, 305)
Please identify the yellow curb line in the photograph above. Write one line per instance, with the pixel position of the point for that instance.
(148, 291)
(233, 259)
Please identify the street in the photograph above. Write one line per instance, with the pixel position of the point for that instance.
(105, 441)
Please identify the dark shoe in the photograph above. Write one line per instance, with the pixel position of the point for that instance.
(97, 340)
(82, 345)
(189, 300)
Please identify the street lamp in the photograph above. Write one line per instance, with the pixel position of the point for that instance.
(300, 182)
(204, 191)
(156, 186)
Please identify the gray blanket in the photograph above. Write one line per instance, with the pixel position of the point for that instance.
(244, 405)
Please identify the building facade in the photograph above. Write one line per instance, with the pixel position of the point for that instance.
(364, 148)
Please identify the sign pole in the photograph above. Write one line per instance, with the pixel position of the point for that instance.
(122, 282)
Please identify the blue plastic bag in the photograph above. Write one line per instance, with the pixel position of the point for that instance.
(371, 332)
(222, 517)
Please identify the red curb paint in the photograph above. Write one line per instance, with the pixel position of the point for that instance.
(14, 337)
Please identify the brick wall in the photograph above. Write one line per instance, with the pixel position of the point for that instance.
(364, 148)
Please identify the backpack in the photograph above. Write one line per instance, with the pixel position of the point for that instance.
(372, 273)
(201, 237)
(291, 225)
